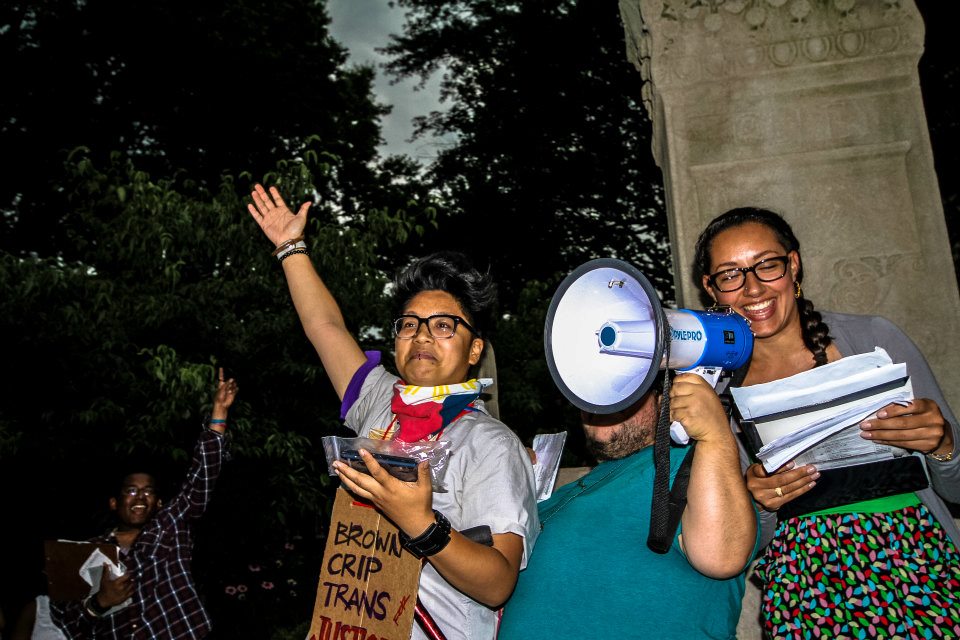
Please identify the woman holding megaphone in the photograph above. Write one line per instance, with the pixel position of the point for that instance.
(849, 565)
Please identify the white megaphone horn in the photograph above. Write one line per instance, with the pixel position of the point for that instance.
(606, 333)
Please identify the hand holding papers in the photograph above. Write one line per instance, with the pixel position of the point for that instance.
(790, 416)
(74, 569)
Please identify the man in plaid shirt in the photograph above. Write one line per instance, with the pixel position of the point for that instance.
(156, 547)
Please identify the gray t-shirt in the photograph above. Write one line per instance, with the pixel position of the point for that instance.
(488, 481)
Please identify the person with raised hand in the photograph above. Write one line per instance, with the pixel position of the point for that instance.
(155, 596)
(443, 306)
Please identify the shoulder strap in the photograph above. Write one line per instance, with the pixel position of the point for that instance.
(660, 541)
(665, 520)
(746, 432)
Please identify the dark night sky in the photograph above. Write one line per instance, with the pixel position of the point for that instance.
(939, 76)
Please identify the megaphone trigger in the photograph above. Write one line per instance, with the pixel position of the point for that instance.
(678, 434)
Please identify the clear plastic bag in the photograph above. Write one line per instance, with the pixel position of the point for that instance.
(399, 459)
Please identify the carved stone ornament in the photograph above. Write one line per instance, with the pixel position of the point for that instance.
(681, 42)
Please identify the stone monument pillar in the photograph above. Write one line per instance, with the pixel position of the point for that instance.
(811, 108)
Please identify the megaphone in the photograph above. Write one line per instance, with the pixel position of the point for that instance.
(606, 336)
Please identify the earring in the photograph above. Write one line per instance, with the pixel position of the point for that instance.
(799, 290)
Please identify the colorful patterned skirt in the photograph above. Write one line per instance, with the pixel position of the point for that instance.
(861, 575)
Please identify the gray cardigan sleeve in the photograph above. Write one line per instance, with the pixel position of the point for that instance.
(856, 334)
(860, 334)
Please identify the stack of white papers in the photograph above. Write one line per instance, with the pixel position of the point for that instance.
(793, 414)
(548, 447)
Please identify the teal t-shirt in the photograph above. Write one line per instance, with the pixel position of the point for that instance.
(591, 572)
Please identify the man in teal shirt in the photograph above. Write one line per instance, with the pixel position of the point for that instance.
(592, 572)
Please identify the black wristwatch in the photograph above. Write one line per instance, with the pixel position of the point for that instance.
(431, 541)
(93, 607)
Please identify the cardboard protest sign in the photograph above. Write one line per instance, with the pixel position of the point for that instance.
(368, 582)
(63, 562)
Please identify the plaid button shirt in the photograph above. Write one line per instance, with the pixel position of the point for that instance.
(165, 604)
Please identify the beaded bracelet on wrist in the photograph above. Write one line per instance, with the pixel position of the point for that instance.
(286, 248)
(290, 253)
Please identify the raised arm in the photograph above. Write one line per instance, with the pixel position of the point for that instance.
(223, 399)
(719, 527)
(197, 488)
(318, 310)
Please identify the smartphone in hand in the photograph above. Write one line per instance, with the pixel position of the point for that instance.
(399, 467)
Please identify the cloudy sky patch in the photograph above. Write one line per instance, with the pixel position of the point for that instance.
(362, 26)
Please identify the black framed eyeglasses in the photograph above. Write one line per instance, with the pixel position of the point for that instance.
(439, 326)
(767, 270)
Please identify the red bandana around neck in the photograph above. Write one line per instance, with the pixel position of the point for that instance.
(424, 411)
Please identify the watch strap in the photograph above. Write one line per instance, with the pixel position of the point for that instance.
(93, 607)
(431, 541)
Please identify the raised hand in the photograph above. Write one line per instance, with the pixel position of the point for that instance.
(273, 215)
(223, 398)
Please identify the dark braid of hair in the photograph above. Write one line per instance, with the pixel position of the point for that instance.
(815, 332)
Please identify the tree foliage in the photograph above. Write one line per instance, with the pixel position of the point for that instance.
(551, 166)
(552, 141)
(191, 90)
(117, 349)
(130, 271)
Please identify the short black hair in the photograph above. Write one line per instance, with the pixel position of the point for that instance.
(139, 463)
(453, 273)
